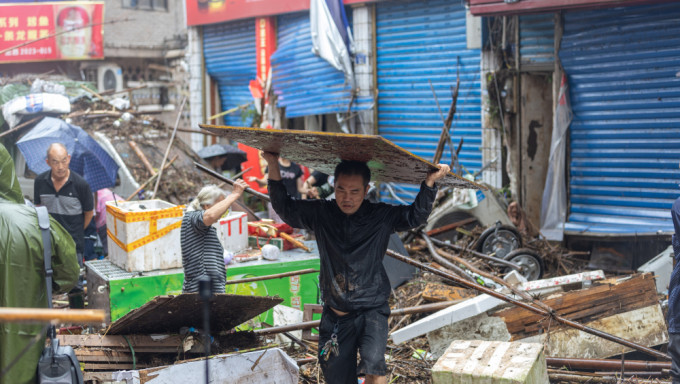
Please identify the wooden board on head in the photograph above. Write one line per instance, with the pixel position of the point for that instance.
(322, 151)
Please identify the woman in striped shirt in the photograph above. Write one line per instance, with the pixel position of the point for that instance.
(202, 252)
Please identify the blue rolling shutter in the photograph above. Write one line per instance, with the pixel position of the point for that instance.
(306, 84)
(419, 41)
(623, 67)
(537, 41)
(229, 50)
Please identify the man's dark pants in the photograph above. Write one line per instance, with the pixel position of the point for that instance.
(365, 331)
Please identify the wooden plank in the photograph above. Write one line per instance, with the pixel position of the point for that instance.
(167, 314)
(584, 305)
(98, 376)
(324, 150)
(645, 326)
(95, 355)
(116, 341)
(115, 367)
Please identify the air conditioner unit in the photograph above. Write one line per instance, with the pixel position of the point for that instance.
(109, 77)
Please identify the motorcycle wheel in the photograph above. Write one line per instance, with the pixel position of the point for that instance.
(530, 262)
(499, 241)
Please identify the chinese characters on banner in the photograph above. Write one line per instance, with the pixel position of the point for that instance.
(202, 12)
(57, 31)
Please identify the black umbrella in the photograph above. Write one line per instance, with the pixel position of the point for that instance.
(233, 157)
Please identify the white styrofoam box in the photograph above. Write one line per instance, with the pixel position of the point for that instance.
(234, 231)
(478, 361)
(144, 235)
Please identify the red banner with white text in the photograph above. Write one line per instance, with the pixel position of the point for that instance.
(51, 31)
(202, 12)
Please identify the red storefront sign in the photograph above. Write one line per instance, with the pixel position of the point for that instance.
(265, 28)
(51, 31)
(201, 12)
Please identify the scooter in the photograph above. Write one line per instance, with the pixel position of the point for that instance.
(500, 239)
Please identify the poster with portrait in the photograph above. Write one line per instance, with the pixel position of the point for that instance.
(51, 31)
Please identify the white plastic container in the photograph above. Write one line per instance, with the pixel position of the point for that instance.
(144, 235)
(234, 232)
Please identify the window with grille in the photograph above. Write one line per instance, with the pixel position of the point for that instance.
(150, 5)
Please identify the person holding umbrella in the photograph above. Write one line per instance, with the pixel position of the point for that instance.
(69, 200)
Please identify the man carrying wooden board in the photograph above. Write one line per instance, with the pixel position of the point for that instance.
(352, 236)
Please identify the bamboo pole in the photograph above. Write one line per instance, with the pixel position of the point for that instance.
(47, 315)
(142, 157)
(294, 241)
(150, 179)
(167, 150)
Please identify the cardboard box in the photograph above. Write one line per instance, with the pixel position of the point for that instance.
(144, 235)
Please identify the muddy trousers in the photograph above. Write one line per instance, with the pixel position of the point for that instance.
(364, 331)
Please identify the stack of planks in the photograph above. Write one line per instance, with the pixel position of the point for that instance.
(604, 298)
(98, 354)
(625, 307)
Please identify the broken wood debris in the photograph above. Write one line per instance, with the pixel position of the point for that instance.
(604, 298)
(536, 310)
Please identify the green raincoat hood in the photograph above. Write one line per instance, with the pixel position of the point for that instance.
(9, 184)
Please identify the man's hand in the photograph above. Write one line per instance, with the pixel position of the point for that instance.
(437, 175)
(270, 157)
(238, 187)
(272, 160)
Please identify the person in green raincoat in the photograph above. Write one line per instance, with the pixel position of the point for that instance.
(22, 273)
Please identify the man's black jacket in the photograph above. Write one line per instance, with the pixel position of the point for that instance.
(352, 247)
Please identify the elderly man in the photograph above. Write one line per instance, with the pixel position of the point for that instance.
(68, 198)
(22, 274)
(352, 234)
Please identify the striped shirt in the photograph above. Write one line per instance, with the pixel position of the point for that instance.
(202, 253)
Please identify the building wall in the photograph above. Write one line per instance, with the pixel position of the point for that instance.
(149, 33)
(196, 81)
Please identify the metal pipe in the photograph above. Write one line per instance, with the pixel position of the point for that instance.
(495, 279)
(396, 312)
(445, 262)
(286, 328)
(599, 364)
(529, 307)
(561, 376)
(275, 276)
(230, 181)
(477, 254)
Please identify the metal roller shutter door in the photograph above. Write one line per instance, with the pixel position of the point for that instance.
(417, 42)
(305, 83)
(623, 66)
(229, 50)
